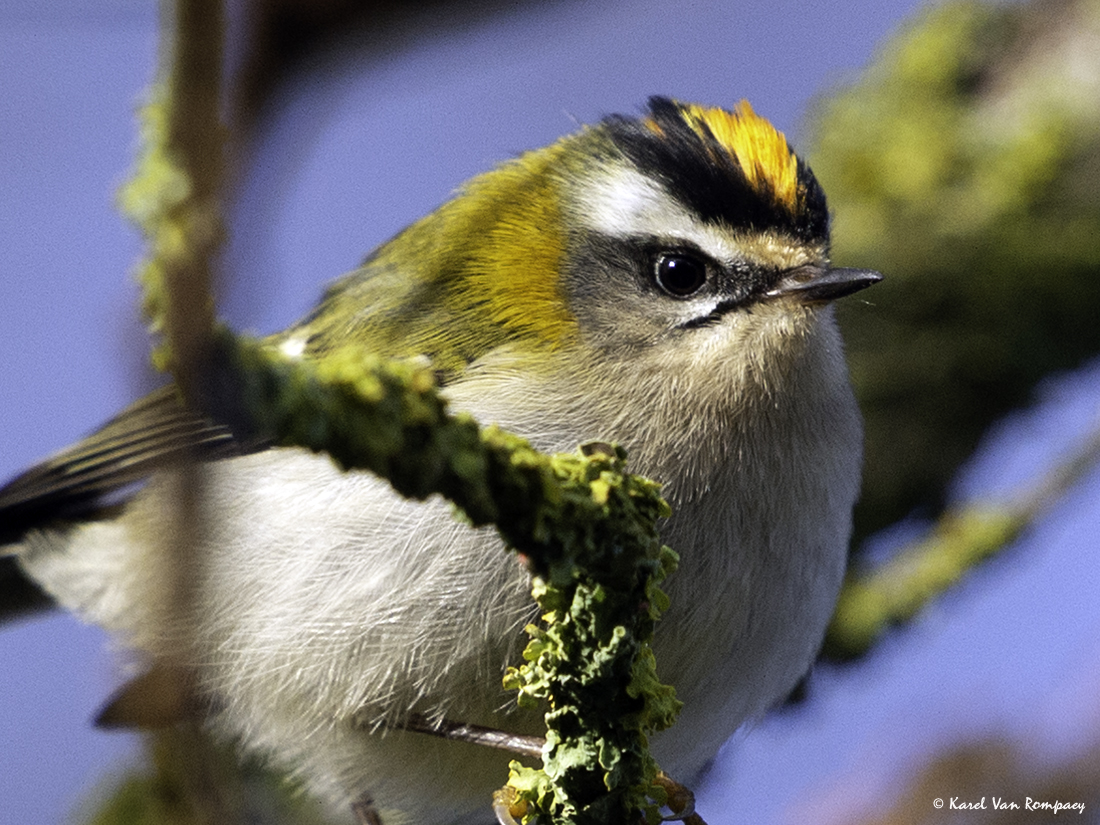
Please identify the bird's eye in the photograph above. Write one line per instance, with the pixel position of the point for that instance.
(680, 275)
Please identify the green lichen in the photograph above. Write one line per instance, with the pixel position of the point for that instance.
(961, 164)
(596, 747)
(586, 528)
(180, 226)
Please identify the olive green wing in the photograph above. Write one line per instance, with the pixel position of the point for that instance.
(91, 478)
(79, 481)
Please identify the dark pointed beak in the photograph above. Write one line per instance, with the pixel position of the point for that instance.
(812, 284)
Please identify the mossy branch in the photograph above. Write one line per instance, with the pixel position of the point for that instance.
(173, 195)
(586, 528)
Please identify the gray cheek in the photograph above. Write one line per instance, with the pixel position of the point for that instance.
(615, 313)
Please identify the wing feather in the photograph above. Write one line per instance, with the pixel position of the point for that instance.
(89, 476)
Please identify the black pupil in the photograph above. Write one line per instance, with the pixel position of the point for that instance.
(680, 275)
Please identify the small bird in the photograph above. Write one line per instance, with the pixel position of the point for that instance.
(662, 281)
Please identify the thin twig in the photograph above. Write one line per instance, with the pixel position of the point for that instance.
(194, 141)
(476, 735)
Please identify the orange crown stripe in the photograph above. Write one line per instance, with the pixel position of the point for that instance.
(759, 148)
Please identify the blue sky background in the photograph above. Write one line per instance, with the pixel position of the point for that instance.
(356, 150)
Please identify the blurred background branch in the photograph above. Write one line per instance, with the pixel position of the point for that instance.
(876, 598)
(963, 162)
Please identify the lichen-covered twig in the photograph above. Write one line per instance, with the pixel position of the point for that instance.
(174, 193)
(586, 528)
